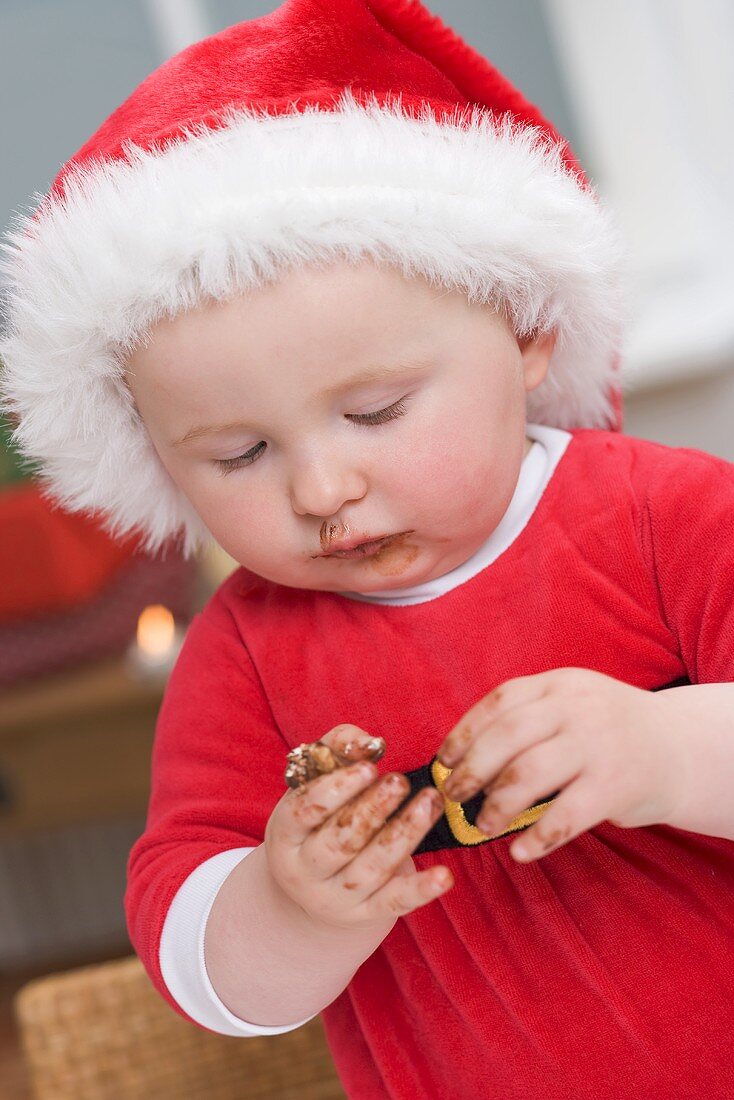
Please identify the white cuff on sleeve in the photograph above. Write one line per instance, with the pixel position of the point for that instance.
(182, 949)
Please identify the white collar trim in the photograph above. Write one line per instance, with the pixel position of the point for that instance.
(538, 466)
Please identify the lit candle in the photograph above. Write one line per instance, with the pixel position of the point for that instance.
(153, 653)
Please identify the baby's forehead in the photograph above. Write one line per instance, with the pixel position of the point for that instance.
(346, 298)
(343, 278)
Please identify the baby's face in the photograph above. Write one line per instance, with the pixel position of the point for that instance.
(341, 405)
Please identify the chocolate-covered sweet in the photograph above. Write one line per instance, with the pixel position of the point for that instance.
(308, 760)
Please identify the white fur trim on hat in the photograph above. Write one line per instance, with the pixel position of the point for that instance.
(484, 206)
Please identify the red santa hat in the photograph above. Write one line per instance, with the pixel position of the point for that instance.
(329, 128)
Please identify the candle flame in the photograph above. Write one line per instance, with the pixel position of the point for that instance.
(156, 630)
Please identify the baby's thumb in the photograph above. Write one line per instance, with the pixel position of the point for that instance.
(351, 744)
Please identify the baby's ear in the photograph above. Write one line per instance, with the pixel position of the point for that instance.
(536, 351)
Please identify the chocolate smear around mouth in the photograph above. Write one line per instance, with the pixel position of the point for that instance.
(330, 531)
(395, 558)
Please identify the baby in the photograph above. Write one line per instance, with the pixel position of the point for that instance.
(369, 348)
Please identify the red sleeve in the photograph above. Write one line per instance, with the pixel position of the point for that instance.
(688, 536)
(217, 773)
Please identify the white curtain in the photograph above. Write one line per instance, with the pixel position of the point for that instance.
(653, 84)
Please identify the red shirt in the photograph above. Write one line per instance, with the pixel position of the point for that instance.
(603, 970)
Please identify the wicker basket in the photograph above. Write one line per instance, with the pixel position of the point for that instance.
(103, 1033)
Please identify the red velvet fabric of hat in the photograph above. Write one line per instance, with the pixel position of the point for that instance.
(330, 128)
(307, 52)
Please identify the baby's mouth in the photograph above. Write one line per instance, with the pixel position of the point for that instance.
(366, 549)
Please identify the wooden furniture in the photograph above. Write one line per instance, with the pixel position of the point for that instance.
(75, 747)
(103, 1033)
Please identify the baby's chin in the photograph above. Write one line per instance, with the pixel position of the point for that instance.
(406, 567)
(400, 565)
(395, 565)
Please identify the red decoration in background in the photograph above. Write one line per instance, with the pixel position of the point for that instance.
(70, 594)
(51, 560)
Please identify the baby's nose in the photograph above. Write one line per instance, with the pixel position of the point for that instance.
(321, 490)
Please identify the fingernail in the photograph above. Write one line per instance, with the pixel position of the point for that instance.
(457, 790)
(394, 782)
(421, 806)
(441, 881)
(432, 799)
(375, 746)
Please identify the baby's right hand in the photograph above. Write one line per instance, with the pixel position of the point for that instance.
(330, 849)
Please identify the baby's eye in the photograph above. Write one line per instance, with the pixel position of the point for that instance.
(226, 465)
(392, 412)
(382, 416)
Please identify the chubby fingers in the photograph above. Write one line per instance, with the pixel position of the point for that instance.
(301, 811)
(329, 847)
(379, 864)
(500, 741)
(530, 778)
(510, 694)
(578, 808)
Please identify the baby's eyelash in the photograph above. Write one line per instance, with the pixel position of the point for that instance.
(392, 412)
(382, 415)
(226, 465)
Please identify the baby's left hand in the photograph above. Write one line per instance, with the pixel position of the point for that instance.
(612, 751)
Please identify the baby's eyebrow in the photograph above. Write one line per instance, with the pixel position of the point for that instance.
(374, 374)
(206, 429)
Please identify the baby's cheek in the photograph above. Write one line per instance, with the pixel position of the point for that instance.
(243, 523)
(425, 492)
(450, 482)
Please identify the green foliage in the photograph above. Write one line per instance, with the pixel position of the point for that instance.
(13, 467)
